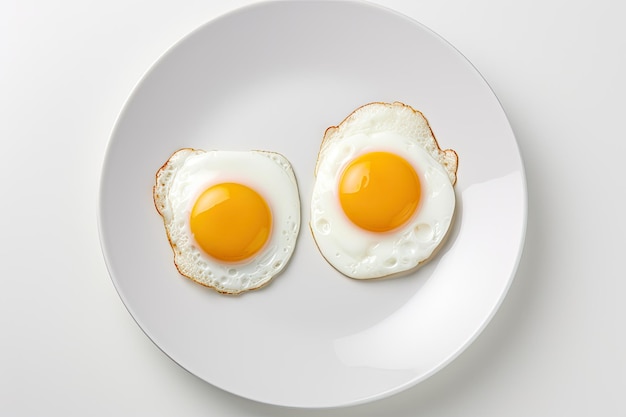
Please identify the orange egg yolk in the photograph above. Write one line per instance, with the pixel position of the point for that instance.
(379, 191)
(231, 222)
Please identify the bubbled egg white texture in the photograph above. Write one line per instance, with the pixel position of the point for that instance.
(363, 254)
(188, 173)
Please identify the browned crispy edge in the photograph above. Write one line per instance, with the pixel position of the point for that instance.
(395, 103)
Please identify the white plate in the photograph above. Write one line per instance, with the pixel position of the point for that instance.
(274, 76)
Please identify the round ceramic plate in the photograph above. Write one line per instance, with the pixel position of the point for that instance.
(274, 76)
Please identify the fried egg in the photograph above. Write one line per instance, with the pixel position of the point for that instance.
(383, 199)
(232, 218)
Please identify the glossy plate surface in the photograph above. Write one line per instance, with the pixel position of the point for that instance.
(274, 76)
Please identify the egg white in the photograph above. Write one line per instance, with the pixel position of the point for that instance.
(189, 172)
(362, 254)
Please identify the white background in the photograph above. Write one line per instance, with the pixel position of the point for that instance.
(68, 347)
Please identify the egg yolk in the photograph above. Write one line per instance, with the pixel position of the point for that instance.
(231, 222)
(379, 191)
